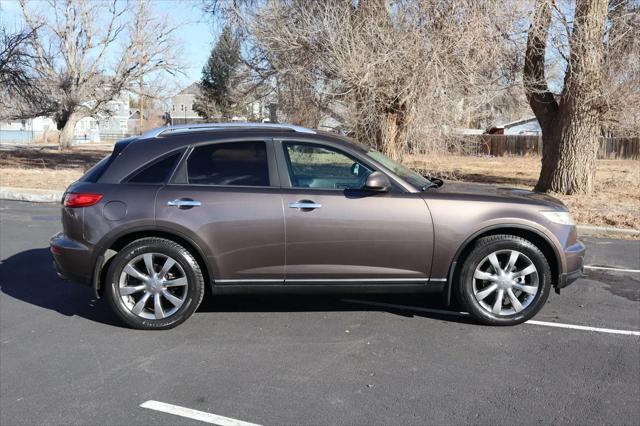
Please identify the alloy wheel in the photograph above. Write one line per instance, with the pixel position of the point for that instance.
(153, 286)
(505, 282)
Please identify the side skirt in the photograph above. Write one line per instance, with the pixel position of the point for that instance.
(326, 286)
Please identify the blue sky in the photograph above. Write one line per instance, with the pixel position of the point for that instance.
(196, 33)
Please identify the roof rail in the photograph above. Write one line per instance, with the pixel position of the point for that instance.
(187, 128)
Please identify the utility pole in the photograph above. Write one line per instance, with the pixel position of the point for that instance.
(141, 103)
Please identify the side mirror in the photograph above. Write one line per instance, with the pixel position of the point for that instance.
(377, 181)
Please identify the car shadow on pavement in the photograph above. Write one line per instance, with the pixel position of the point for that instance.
(407, 305)
(29, 276)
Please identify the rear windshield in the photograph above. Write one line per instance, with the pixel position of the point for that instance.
(94, 173)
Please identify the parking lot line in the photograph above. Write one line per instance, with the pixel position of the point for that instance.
(456, 313)
(609, 268)
(194, 414)
(585, 328)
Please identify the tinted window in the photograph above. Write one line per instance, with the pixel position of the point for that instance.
(316, 166)
(235, 163)
(94, 173)
(157, 172)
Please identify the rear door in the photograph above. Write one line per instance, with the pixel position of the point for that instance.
(337, 233)
(225, 196)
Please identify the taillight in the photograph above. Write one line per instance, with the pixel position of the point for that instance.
(81, 199)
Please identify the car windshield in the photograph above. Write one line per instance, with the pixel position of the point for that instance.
(404, 172)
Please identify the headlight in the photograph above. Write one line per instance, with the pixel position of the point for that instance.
(563, 218)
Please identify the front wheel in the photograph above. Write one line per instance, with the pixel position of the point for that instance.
(154, 283)
(505, 280)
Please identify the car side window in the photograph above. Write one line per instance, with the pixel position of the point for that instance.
(233, 163)
(323, 167)
(157, 172)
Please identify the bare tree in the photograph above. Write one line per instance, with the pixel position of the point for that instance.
(87, 53)
(381, 67)
(16, 71)
(596, 85)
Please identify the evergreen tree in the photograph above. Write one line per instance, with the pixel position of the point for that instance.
(219, 76)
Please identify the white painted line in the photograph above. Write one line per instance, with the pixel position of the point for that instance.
(203, 416)
(585, 328)
(607, 268)
(462, 314)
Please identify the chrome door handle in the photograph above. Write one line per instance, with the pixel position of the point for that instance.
(184, 203)
(304, 205)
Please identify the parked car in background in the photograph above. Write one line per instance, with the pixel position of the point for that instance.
(243, 207)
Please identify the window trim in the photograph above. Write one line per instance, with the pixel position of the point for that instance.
(272, 171)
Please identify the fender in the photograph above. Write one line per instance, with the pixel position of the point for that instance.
(100, 256)
(476, 234)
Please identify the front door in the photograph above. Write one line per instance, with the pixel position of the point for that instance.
(222, 198)
(338, 234)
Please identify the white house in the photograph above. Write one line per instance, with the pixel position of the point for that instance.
(182, 105)
(526, 126)
(106, 126)
(25, 131)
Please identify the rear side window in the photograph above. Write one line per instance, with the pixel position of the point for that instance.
(94, 173)
(157, 172)
(235, 163)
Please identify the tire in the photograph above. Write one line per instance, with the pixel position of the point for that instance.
(172, 291)
(481, 284)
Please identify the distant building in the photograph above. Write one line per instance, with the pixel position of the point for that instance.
(527, 126)
(182, 105)
(25, 131)
(109, 126)
(133, 123)
(182, 111)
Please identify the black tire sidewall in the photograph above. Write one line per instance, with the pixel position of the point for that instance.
(195, 287)
(482, 249)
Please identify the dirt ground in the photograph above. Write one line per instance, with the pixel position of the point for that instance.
(616, 201)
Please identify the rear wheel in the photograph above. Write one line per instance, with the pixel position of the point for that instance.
(154, 283)
(505, 280)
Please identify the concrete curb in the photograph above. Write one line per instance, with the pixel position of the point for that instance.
(589, 230)
(30, 194)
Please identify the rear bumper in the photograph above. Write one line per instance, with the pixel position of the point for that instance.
(71, 259)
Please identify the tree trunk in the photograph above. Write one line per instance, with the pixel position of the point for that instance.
(393, 135)
(68, 131)
(570, 126)
(569, 153)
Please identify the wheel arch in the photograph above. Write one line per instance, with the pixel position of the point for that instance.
(535, 236)
(118, 242)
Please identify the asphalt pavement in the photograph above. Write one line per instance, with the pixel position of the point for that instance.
(65, 359)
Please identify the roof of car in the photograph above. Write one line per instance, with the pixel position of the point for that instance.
(196, 133)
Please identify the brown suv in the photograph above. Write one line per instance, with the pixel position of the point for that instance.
(279, 208)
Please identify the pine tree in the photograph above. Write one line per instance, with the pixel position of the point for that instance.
(219, 76)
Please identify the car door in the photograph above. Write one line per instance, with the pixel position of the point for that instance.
(338, 233)
(226, 196)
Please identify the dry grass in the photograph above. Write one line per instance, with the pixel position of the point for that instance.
(616, 201)
(47, 167)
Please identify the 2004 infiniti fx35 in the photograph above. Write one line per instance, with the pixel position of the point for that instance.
(280, 208)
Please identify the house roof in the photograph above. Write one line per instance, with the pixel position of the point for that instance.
(192, 89)
(136, 116)
(517, 122)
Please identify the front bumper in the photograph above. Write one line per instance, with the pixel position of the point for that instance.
(574, 256)
(71, 259)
